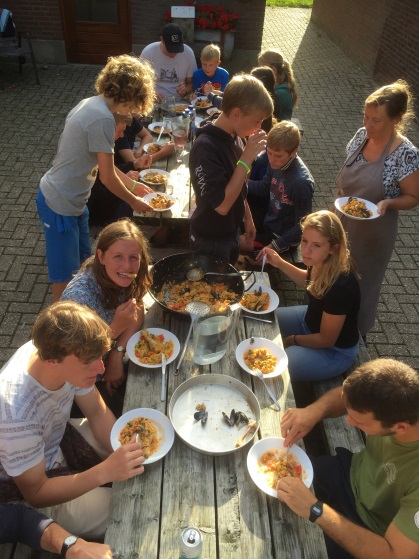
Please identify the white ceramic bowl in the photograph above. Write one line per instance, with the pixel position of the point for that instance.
(165, 430)
(152, 195)
(276, 444)
(168, 336)
(339, 202)
(202, 98)
(152, 127)
(272, 347)
(273, 299)
(160, 143)
(159, 171)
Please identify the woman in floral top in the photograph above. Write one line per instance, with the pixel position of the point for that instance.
(382, 167)
(113, 283)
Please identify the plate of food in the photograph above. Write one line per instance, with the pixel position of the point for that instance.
(267, 463)
(156, 127)
(262, 354)
(213, 111)
(357, 208)
(260, 299)
(146, 346)
(154, 147)
(154, 176)
(155, 432)
(159, 202)
(201, 103)
(178, 108)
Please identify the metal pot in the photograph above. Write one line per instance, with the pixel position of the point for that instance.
(174, 268)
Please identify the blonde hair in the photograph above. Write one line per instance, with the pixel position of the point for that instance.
(284, 135)
(248, 94)
(282, 69)
(338, 262)
(398, 101)
(211, 52)
(113, 295)
(129, 80)
(67, 328)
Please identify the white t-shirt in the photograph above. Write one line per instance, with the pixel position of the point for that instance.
(89, 129)
(170, 71)
(32, 418)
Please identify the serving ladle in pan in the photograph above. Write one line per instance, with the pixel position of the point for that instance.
(196, 274)
(195, 309)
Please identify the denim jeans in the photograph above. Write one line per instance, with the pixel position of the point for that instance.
(304, 363)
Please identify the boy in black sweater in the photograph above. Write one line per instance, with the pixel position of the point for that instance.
(219, 165)
(290, 186)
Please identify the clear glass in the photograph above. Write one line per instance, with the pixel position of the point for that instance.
(105, 11)
(210, 337)
(179, 127)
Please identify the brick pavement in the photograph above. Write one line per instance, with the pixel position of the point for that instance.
(331, 94)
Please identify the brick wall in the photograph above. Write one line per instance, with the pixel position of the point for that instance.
(382, 36)
(42, 20)
(148, 20)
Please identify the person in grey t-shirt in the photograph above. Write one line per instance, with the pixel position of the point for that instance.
(124, 86)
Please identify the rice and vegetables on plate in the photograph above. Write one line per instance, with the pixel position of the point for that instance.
(255, 301)
(275, 465)
(260, 359)
(154, 178)
(161, 202)
(150, 347)
(153, 149)
(147, 434)
(177, 295)
(356, 208)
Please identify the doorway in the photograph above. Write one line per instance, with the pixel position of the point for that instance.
(96, 29)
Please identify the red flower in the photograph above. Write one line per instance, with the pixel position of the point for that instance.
(214, 17)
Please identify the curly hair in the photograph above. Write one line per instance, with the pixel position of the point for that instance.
(67, 328)
(114, 295)
(129, 80)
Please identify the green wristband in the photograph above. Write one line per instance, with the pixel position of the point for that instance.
(245, 165)
(134, 184)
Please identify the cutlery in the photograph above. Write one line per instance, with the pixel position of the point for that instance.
(163, 380)
(195, 309)
(259, 373)
(261, 271)
(258, 319)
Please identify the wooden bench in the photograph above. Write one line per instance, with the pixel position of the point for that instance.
(11, 47)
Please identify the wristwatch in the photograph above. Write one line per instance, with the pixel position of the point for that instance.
(316, 511)
(68, 542)
(120, 348)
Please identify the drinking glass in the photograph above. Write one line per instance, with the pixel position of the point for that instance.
(179, 130)
(210, 336)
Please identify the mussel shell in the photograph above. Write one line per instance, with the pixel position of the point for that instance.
(200, 414)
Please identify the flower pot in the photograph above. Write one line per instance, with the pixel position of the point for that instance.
(224, 38)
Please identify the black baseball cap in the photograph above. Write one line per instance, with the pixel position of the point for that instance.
(172, 37)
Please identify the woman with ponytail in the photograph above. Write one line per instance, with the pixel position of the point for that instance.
(285, 88)
(321, 338)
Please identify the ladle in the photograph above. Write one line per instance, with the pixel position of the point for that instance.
(195, 309)
(196, 274)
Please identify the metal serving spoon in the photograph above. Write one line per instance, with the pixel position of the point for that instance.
(196, 274)
(195, 309)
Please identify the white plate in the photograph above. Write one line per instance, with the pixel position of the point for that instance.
(152, 195)
(273, 299)
(162, 423)
(159, 171)
(213, 110)
(339, 202)
(272, 347)
(276, 444)
(180, 104)
(160, 143)
(168, 336)
(153, 125)
(202, 98)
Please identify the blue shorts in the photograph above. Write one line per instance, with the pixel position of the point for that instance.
(67, 240)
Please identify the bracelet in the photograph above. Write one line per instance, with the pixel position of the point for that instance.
(134, 184)
(295, 341)
(245, 165)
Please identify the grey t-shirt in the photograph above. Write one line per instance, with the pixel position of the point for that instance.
(89, 129)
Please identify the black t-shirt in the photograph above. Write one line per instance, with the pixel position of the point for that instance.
(343, 297)
(127, 140)
(212, 162)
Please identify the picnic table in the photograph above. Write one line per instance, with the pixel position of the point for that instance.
(213, 493)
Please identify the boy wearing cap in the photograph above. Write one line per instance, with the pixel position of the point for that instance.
(173, 61)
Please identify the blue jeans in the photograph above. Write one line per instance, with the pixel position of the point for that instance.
(306, 363)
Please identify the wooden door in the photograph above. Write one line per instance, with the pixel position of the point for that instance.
(96, 29)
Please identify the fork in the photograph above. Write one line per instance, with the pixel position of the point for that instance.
(163, 380)
(259, 374)
(261, 271)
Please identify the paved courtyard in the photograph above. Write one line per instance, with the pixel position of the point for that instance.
(331, 92)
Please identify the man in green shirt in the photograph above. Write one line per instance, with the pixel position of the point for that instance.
(371, 498)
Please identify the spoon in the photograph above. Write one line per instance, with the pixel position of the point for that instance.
(259, 373)
(163, 380)
(196, 274)
(195, 309)
(261, 271)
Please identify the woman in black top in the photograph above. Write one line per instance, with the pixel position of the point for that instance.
(321, 338)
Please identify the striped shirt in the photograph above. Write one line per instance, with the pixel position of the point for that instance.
(32, 418)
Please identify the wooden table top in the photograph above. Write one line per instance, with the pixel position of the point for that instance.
(213, 493)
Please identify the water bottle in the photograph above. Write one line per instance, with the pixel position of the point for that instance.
(192, 130)
(186, 115)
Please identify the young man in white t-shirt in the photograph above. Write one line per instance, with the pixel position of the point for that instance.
(173, 61)
(37, 389)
